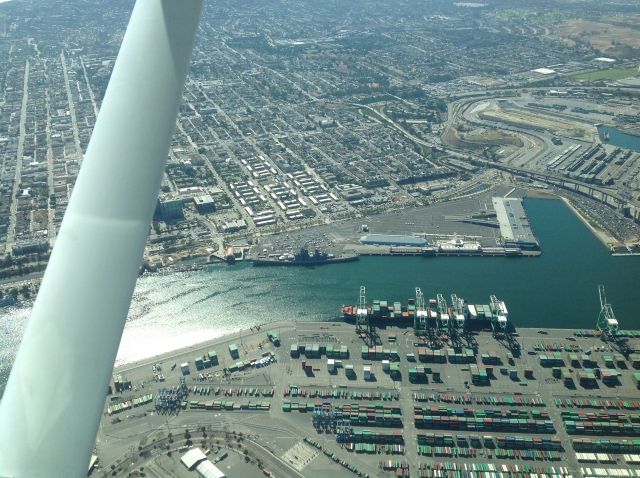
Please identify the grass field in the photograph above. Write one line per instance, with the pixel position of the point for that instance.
(608, 74)
(531, 16)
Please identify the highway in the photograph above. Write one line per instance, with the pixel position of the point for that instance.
(546, 177)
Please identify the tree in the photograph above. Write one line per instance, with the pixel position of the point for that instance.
(7, 261)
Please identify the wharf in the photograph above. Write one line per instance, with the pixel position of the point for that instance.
(285, 408)
(434, 251)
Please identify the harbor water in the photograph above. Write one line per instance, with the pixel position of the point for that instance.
(557, 289)
(619, 138)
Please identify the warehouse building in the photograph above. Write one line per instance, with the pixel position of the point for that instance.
(515, 230)
(393, 240)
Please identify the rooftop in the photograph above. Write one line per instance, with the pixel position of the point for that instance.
(191, 458)
(544, 71)
(393, 240)
(206, 469)
(514, 225)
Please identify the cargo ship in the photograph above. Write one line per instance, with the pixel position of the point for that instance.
(433, 312)
(304, 258)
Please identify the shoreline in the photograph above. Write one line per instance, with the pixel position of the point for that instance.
(606, 239)
(262, 328)
(541, 194)
(278, 325)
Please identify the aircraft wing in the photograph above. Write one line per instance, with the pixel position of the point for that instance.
(53, 401)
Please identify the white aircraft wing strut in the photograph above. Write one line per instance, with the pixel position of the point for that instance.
(53, 402)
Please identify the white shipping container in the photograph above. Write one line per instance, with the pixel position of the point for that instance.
(367, 372)
(472, 311)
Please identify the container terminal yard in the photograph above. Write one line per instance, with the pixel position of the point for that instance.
(422, 387)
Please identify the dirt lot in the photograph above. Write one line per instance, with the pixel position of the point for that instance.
(480, 137)
(527, 119)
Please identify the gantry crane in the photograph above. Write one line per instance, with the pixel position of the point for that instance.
(362, 313)
(443, 322)
(457, 305)
(422, 314)
(499, 315)
(325, 418)
(607, 322)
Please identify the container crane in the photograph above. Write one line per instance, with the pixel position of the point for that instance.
(422, 314)
(607, 322)
(457, 305)
(499, 315)
(362, 314)
(443, 321)
(326, 418)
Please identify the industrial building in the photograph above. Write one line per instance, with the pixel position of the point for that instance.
(515, 230)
